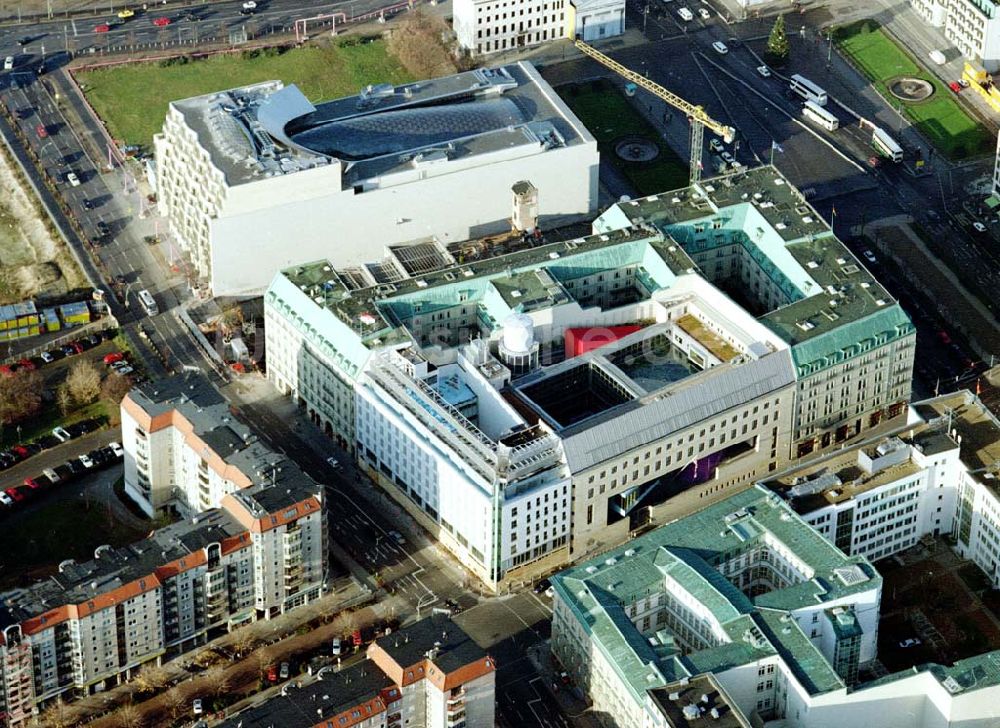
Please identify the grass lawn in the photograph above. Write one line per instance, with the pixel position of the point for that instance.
(35, 543)
(940, 118)
(51, 416)
(132, 99)
(607, 113)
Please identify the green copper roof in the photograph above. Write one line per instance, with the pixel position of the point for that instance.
(689, 552)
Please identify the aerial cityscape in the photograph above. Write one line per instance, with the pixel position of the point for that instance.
(515, 363)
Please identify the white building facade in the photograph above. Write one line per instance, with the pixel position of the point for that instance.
(973, 26)
(242, 210)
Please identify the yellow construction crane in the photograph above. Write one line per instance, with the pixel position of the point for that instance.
(699, 119)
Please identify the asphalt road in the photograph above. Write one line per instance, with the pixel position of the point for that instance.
(190, 25)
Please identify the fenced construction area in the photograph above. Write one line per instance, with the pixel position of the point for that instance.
(939, 118)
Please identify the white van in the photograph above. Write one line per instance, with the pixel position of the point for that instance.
(8, 63)
(685, 14)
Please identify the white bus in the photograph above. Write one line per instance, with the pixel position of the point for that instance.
(807, 90)
(815, 112)
(148, 302)
(886, 145)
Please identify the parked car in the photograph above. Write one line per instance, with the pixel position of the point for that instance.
(73, 179)
(8, 370)
(52, 475)
(82, 427)
(102, 28)
(397, 537)
(272, 673)
(5, 499)
(27, 364)
(46, 356)
(21, 451)
(76, 467)
(16, 494)
(284, 671)
(61, 434)
(910, 642)
(979, 227)
(35, 483)
(720, 48)
(869, 256)
(542, 585)
(727, 158)
(125, 13)
(161, 22)
(113, 357)
(102, 229)
(955, 86)
(117, 449)
(86, 461)
(41, 131)
(715, 144)
(122, 368)
(8, 63)
(705, 15)
(764, 71)
(249, 5)
(24, 40)
(88, 205)
(196, 706)
(336, 646)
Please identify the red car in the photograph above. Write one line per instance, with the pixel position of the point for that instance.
(21, 451)
(272, 673)
(161, 22)
(27, 364)
(102, 28)
(7, 369)
(77, 346)
(32, 483)
(41, 131)
(955, 86)
(16, 494)
(111, 358)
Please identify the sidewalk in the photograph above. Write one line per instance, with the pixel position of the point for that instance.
(568, 697)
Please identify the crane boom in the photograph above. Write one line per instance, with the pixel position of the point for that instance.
(699, 119)
(691, 110)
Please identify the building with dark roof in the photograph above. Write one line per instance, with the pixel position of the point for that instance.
(261, 169)
(427, 675)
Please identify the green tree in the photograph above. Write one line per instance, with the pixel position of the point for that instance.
(777, 43)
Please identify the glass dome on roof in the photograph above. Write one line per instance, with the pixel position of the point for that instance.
(394, 131)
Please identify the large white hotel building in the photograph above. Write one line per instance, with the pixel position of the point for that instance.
(754, 338)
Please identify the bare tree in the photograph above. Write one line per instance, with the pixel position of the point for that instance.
(20, 396)
(128, 716)
(418, 42)
(115, 386)
(243, 642)
(264, 658)
(174, 701)
(57, 715)
(217, 679)
(83, 382)
(151, 678)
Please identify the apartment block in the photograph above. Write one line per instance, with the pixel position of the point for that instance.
(257, 178)
(263, 551)
(716, 333)
(746, 593)
(427, 675)
(973, 26)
